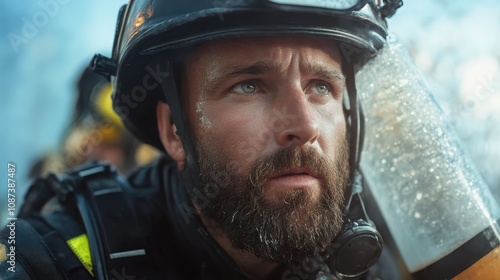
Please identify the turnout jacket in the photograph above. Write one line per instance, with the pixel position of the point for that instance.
(52, 242)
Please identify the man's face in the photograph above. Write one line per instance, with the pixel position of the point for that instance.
(267, 121)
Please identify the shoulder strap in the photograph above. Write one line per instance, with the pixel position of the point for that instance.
(117, 243)
(103, 200)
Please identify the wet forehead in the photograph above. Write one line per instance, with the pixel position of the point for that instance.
(223, 58)
(253, 49)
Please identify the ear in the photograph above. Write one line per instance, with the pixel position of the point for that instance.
(167, 131)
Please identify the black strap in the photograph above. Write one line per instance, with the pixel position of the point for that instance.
(104, 201)
(190, 176)
(115, 238)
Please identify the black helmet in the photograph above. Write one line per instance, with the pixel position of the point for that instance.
(150, 27)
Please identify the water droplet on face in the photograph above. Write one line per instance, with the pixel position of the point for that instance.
(419, 196)
(417, 215)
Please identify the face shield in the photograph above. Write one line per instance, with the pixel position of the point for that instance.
(439, 211)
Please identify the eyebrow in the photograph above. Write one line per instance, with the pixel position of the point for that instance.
(262, 67)
(257, 68)
(325, 72)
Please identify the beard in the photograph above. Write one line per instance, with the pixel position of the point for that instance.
(297, 224)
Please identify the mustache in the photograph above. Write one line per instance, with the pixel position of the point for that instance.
(289, 158)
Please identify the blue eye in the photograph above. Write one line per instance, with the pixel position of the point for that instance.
(246, 87)
(321, 88)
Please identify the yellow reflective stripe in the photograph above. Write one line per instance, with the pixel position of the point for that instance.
(81, 248)
(3, 253)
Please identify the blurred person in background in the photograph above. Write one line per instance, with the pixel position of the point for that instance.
(96, 133)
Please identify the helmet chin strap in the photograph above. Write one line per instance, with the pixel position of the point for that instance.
(355, 122)
(358, 245)
(190, 176)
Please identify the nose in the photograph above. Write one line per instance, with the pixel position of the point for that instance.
(295, 122)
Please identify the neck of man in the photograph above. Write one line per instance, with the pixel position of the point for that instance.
(253, 266)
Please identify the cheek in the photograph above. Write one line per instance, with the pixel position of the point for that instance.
(332, 127)
(236, 132)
